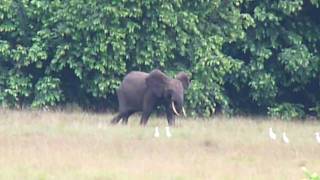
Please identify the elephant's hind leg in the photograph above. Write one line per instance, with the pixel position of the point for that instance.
(144, 118)
(116, 119)
(123, 115)
(126, 117)
(145, 115)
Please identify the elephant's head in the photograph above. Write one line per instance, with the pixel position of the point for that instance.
(171, 89)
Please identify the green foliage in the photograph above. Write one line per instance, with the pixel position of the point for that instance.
(301, 65)
(14, 88)
(310, 175)
(242, 55)
(287, 111)
(47, 92)
(316, 109)
(281, 58)
(263, 88)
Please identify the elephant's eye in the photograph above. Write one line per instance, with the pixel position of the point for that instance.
(169, 94)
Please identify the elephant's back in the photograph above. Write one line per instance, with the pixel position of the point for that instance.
(132, 90)
(134, 79)
(135, 75)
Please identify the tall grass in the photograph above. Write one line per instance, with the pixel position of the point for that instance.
(80, 145)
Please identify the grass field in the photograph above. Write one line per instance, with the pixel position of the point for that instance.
(79, 145)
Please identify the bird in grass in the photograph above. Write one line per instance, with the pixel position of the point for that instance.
(168, 133)
(100, 125)
(317, 137)
(285, 138)
(272, 135)
(156, 132)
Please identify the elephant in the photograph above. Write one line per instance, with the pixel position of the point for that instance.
(141, 91)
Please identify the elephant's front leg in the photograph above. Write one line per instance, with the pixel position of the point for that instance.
(148, 105)
(170, 116)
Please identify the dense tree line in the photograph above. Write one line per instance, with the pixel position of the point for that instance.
(244, 56)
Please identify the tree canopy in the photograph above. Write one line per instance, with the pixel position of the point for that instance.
(244, 56)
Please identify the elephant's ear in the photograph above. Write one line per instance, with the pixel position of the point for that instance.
(184, 78)
(157, 82)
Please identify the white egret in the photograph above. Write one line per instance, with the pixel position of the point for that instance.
(285, 138)
(317, 137)
(156, 132)
(168, 133)
(272, 134)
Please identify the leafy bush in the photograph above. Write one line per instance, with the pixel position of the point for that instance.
(310, 175)
(15, 88)
(287, 111)
(242, 55)
(96, 44)
(47, 92)
(316, 109)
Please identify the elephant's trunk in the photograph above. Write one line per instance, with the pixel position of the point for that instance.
(174, 109)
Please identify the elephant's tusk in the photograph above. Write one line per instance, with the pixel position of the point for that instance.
(184, 112)
(174, 109)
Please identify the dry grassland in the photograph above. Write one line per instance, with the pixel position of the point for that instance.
(79, 145)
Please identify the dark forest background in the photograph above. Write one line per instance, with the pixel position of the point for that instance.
(245, 56)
